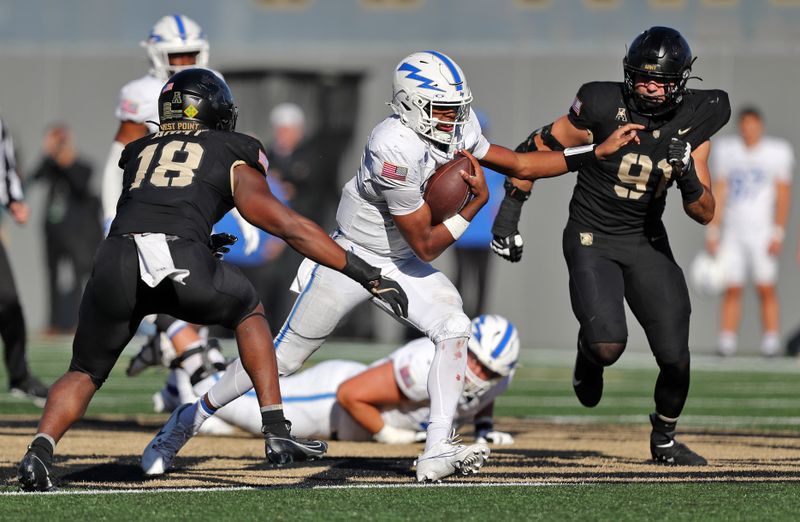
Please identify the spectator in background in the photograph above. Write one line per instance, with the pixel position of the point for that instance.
(473, 256)
(752, 187)
(12, 322)
(72, 225)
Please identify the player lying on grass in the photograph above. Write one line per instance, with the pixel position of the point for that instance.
(156, 259)
(383, 217)
(387, 402)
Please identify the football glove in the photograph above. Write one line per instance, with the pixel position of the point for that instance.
(219, 244)
(679, 155)
(384, 288)
(392, 435)
(250, 233)
(507, 241)
(494, 437)
(508, 247)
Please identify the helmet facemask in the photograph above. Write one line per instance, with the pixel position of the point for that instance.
(475, 385)
(674, 89)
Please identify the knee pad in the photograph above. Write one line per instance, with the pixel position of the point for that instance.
(604, 354)
(452, 326)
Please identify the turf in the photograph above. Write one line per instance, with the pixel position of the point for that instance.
(673, 502)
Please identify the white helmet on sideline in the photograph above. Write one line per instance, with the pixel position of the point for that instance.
(175, 34)
(707, 274)
(426, 79)
(495, 343)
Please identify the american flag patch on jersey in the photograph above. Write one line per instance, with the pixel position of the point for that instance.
(167, 87)
(262, 160)
(576, 106)
(131, 107)
(405, 374)
(392, 171)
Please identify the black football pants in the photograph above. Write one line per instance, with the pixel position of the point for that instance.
(603, 270)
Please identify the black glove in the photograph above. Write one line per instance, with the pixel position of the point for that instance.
(385, 289)
(679, 155)
(507, 241)
(219, 243)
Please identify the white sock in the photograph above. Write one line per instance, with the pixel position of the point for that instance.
(233, 384)
(727, 343)
(195, 415)
(445, 384)
(770, 343)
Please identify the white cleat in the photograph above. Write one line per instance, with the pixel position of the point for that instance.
(447, 457)
(158, 455)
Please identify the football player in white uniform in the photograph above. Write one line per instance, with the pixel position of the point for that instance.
(753, 185)
(383, 218)
(387, 402)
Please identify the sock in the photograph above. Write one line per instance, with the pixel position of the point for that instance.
(196, 414)
(770, 343)
(727, 343)
(445, 385)
(273, 421)
(663, 428)
(233, 384)
(43, 446)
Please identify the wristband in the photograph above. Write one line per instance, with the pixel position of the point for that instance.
(457, 225)
(690, 186)
(579, 157)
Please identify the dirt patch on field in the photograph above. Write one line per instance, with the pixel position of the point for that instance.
(104, 453)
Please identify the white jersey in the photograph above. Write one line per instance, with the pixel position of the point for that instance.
(751, 175)
(395, 166)
(411, 364)
(138, 101)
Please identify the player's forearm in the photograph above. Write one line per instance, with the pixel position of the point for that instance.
(364, 413)
(307, 238)
(527, 166)
(701, 210)
(431, 244)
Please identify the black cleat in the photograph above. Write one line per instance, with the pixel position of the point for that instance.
(284, 449)
(33, 472)
(587, 381)
(666, 450)
(32, 389)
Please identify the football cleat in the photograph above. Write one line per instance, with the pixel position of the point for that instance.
(286, 449)
(587, 381)
(159, 453)
(448, 457)
(33, 473)
(671, 452)
(32, 389)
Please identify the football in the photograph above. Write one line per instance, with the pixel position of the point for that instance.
(446, 193)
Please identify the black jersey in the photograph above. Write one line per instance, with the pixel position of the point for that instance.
(179, 182)
(626, 192)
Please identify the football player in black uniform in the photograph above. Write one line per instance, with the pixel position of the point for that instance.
(615, 243)
(177, 183)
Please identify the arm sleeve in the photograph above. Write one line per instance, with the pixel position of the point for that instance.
(112, 181)
(10, 183)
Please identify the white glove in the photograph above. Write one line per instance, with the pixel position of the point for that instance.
(249, 232)
(496, 437)
(391, 435)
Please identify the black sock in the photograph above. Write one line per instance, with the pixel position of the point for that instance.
(43, 449)
(663, 431)
(273, 421)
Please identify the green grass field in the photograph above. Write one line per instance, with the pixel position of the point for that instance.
(744, 393)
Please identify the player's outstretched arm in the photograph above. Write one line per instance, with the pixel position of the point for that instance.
(364, 395)
(429, 241)
(257, 205)
(690, 167)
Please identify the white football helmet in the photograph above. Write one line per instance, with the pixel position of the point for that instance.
(707, 274)
(495, 343)
(175, 34)
(426, 79)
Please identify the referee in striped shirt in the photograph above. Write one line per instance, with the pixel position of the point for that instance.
(12, 322)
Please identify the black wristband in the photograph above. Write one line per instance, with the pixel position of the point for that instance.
(579, 157)
(360, 271)
(516, 192)
(689, 185)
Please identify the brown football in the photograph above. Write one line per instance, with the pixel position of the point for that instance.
(446, 193)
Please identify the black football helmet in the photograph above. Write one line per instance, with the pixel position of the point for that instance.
(198, 95)
(660, 53)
